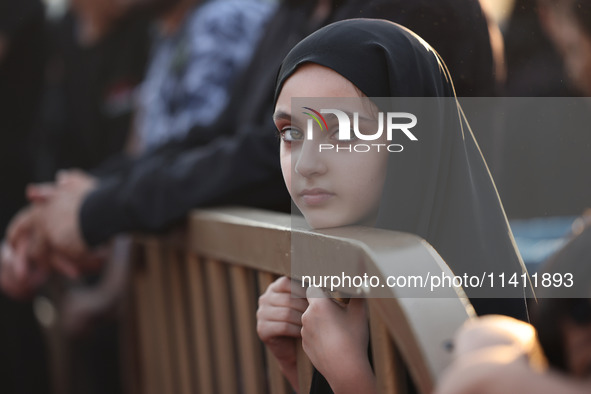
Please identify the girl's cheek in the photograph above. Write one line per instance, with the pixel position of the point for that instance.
(285, 160)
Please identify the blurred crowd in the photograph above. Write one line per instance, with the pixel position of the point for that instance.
(119, 116)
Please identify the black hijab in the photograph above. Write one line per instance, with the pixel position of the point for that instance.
(439, 188)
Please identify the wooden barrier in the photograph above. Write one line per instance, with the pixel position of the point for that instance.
(195, 297)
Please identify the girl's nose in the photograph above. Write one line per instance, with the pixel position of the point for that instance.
(310, 161)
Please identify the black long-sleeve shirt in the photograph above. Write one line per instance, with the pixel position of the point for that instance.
(236, 160)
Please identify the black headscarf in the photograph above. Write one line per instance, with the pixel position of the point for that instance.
(439, 188)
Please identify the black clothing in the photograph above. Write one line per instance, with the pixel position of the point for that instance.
(23, 367)
(541, 144)
(439, 188)
(235, 161)
(21, 73)
(89, 99)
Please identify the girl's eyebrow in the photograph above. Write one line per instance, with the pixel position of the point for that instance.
(281, 115)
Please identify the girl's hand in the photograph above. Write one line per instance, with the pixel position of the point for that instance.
(336, 339)
(279, 324)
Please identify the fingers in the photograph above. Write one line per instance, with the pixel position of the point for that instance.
(268, 330)
(18, 277)
(74, 179)
(7, 270)
(20, 262)
(65, 266)
(20, 225)
(287, 285)
(494, 330)
(279, 314)
(279, 294)
(314, 292)
(41, 192)
(65, 176)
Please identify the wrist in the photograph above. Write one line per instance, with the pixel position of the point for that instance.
(289, 369)
(356, 377)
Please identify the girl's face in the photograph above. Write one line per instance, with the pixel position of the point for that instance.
(332, 188)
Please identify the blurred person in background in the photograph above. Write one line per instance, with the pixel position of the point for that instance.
(568, 24)
(98, 54)
(198, 48)
(23, 367)
(197, 55)
(534, 66)
(543, 143)
(234, 160)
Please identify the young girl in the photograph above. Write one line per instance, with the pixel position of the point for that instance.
(438, 187)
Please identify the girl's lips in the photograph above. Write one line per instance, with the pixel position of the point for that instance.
(315, 196)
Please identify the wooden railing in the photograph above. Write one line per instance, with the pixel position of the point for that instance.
(192, 321)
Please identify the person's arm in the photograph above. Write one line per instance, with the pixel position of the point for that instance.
(160, 189)
(335, 338)
(501, 370)
(497, 355)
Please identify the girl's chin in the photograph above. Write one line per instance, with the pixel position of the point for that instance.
(319, 222)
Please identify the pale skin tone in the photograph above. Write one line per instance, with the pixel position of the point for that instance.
(495, 355)
(332, 189)
(45, 236)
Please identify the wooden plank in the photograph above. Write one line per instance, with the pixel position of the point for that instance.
(126, 254)
(265, 243)
(276, 382)
(221, 316)
(410, 322)
(388, 367)
(160, 305)
(178, 308)
(130, 347)
(58, 347)
(150, 382)
(200, 326)
(244, 295)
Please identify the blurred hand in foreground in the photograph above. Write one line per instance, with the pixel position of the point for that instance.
(499, 355)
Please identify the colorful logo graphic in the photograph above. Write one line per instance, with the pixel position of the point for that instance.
(315, 115)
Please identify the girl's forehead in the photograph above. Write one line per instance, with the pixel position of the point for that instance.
(313, 80)
(326, 108)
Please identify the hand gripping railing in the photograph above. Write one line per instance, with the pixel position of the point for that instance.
(192, 320)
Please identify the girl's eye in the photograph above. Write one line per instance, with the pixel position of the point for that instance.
(290, 135)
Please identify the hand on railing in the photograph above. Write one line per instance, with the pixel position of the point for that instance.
(335, 336)
(19, 278)
(279, 324)
(497, 355)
